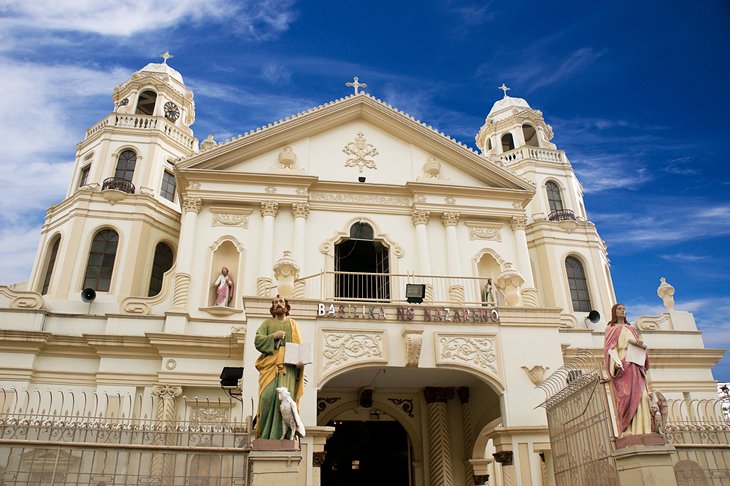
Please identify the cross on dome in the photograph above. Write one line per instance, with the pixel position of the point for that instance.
(504, 88)
(166, 55)
(356, 84)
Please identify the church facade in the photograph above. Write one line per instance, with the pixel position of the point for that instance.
(437, 284)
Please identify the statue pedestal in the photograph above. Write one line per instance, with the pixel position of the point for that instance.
(640, 465)
(279, 467)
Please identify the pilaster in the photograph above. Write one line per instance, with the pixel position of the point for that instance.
(441, 470)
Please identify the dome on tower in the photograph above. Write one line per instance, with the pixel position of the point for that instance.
(163, 68)
(506, 107)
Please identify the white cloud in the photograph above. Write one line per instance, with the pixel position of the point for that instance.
(536, 72)
(604, 172)
(18, 245)
(276, 73)
(255, 19)
(683, 257)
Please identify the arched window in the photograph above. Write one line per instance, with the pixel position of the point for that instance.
(101, 261)
(508, 143)
(161, 264)
(51, 264)
(146, 103)
(489, 144)
(578, 285)
(125, 165)
(356, 260)
(553, 195)
(530, 135)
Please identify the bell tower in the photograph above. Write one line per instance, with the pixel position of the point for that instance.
(516, 137)
(117, 229)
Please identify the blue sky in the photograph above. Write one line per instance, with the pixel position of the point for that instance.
(636, 94)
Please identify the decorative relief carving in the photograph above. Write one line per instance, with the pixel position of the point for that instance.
(519, 223)
(360, 198)
(226, 219)
(484, 231)
(302, 191)
(420, 217)
(505, 458)
(450, 200)
(536, 373)
(419, 198)
(22, 300)
(270, 189)
(166, 391)
(517, 205)
(450, 218)
(324, 401)
(344, 348)
(269, 208)
(318, 458)
(287, 158)
(360, 153)
(210, 415)
(433, 394)
(192, 204)
(475, 351)
(300, 210)
(170, 364)
(406, 404)
(193, 185)
(413, 341)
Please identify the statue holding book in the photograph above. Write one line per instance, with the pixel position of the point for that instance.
(275, 339)
(626, 361)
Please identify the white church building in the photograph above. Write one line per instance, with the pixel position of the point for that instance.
(438, 285)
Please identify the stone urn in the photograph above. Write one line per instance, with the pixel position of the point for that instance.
(510, 282)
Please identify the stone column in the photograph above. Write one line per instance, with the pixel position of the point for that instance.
(439, 454)
(505, 459)
(185, 253)
(420, 219)
(269, 210)
(529, 293)
(163, 464)
(453, 260)
(463, 394)
(300, 211)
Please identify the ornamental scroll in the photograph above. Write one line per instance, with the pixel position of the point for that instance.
(343, 348)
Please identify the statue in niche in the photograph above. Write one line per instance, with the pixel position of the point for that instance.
(488, 293)
(273, 337)
(224, 289)
(626, 361)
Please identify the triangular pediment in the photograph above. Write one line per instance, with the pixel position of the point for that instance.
(357, 136)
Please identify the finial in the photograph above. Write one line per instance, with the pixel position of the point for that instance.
(504, 88)
(356, 84)
(165, 56)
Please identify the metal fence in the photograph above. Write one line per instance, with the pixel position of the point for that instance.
(64, 438)
(700, 432)
(579, 424)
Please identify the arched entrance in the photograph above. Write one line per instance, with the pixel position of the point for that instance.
(389, 430)
(374, 449)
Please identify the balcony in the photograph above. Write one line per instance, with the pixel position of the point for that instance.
(118, 184)
(381, 288)
(148, 123)
(534, 153)
(562, 215)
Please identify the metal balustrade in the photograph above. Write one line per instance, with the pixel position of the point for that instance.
(118, 184)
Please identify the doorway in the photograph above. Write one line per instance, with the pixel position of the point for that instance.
(362, 266)
(374, 452)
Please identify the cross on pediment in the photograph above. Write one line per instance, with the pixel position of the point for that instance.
(165, 56)
(356, 84)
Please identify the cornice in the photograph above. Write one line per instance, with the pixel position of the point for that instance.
(348, 109)
(12, 341)
(120, 346)
(667, 357)
(195, 346)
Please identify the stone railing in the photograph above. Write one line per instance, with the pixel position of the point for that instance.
(535, 153)
(144, 122)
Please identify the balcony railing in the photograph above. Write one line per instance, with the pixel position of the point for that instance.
(562, 215)
(390, 288)
(118, 184)
(535, 153)
(148, 123)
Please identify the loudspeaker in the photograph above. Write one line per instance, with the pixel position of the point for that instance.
(366, 398)
(594, 316)
(88, 295)
(230, 377)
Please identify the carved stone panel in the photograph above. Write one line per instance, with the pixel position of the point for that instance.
(342, 348)
(484, 231)
(478, 351)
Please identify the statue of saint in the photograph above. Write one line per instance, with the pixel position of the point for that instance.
(224, 289)
(271, 340)
(488, 293)
(626, 361)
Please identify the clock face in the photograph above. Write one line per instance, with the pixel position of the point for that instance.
(172, 112)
